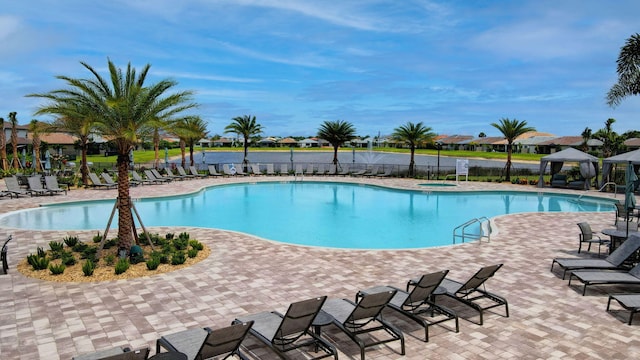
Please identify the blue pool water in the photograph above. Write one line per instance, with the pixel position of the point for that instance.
(314, 213)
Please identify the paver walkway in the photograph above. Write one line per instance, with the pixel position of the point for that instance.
(244, 274)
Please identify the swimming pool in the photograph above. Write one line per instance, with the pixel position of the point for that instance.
(338, 215)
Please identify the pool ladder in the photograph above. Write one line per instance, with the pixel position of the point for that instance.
(484, 225)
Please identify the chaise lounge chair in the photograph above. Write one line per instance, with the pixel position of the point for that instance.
(419, 302)
(606, 277)
(363, 318)
(630, 302)
(290, 331)
(183, 173)
(35, 186)
(229, 170)
(612, 262)
(213, 171)
(139, 179)
(472, 292)
(195, 173)
(270, 170)
(96, 183)
(51, 181)
(117, 353)
(255, 170)
(13, 187)
(169, 176)
(200, 344)
(387, 172)
(156, 180)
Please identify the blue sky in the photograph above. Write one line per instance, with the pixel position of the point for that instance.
(457, 66)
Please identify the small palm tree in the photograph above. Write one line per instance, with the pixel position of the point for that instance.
(628, 72)
(511, 129)
(336, 133)
(37, 128)
(247, 127)
(189, 130)
(14, 138)
(413, 135)
(586, 136)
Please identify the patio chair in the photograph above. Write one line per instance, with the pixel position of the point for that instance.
(321, 170)
(606, 277)
(270, 170)
(588, 236)
(51, 181)
(96, 183)
(3, 256)
(363, 318)
(35, 186)
(559, 180)
(155, 179)
(212, 171)
(284, 170)
(183, 173)
(229, 170)
(614, 261)
(169, 174)
(623, 214)
(109, 180)
(290, 331)
(630, 302)
(193, 171)
(240, 171)
(373, 172)
(309, 170)
(13, 187)
(472, 293)
(333, 170)
(344, 170)
(418, 305)
(200, 344)
(138, 178)
(298, 171)
(116, 353)
(255, 170)
(387, 172)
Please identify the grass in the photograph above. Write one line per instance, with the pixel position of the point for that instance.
(148, 156)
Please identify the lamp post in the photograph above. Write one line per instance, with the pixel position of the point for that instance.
(439, 147)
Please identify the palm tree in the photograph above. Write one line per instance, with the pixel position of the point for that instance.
(511, 129)
(72, 116)
(123, 109)
(189, 130)
(14, 138)
(586, 135)
(36, 128)
(247, 127)
(611, 141)
(413, 135)
(336, 133)
(3, 147)
(628, 72)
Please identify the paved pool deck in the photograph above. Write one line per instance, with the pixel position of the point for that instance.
(245, 274)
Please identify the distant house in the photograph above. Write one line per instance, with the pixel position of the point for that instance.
(23, 137)
(563, 142)
(288, 142)
(454, 142)
(632, 144)
(205, 142)
(268, 142)
(226, 142)
(308, 143)
(64, 142)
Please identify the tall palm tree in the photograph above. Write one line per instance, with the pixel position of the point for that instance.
(189, 130)
(72, 116)
(511, 129)
(37, 128)
(14, 138)
(628, 72)
(611, 141)
(247, 127)
(336, 133)
(3, 147)
(413, 135)
(123, 108)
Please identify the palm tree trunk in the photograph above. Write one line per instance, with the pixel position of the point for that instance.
(156, 148)
(3, 147)
(508, 165)
(191, 155)
(36, 150)
(335, 155)
(84, 170)
(183, 152)
(245, 162)
(412, 162)
(125, 217)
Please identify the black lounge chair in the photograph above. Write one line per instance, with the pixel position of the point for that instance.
(195, 173)
(51, 181)
(35, 186)
(200, 344)
(472, 293)
(183, 173)
(606, 277)
(13, 187)
(117, 353)
(169, 174)
(213, 171)
(362, 318)
(614, 261)
(96, 183)
(136, 177)
(290, 331)
(156, 180)
(418, 305)
(630, 302)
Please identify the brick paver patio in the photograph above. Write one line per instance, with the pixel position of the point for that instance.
(245, 274)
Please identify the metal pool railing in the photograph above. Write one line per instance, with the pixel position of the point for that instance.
(483, 226)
